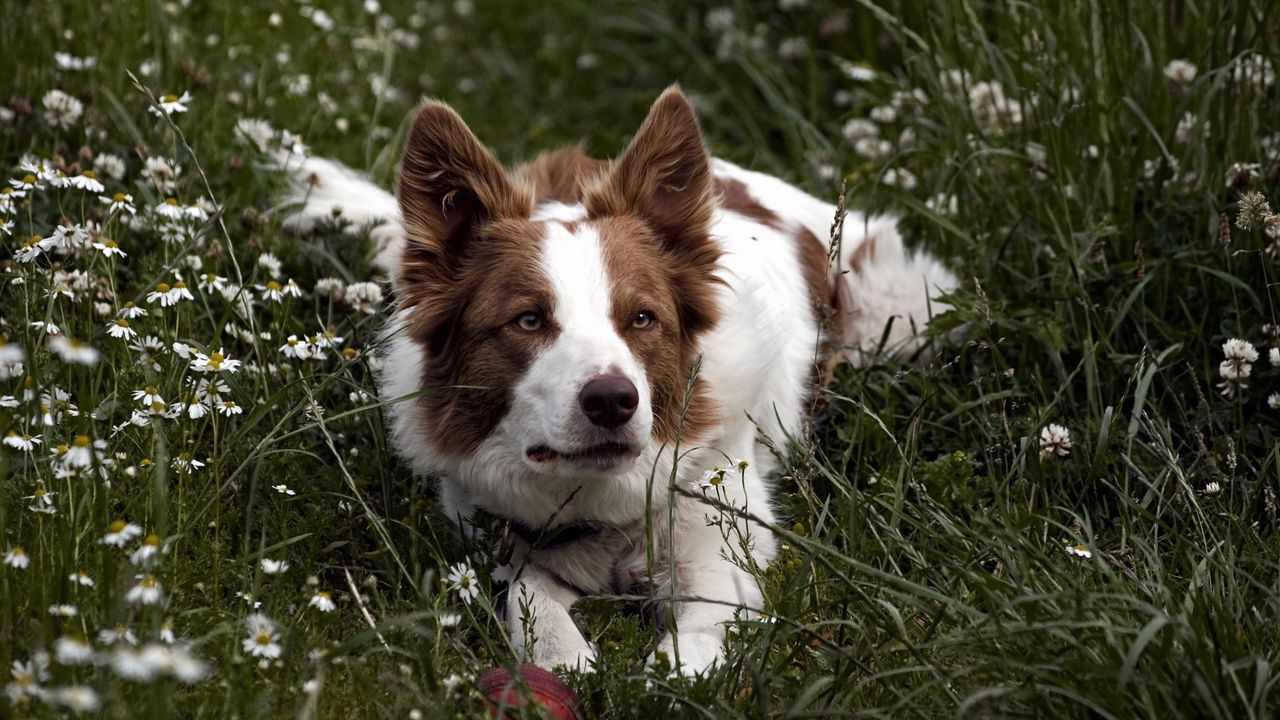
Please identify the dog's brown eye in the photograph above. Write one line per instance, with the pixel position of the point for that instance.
(529, 321)
(642, 320)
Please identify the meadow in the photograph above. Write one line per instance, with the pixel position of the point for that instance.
(1068, 509)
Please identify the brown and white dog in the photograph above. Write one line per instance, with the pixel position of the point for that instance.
(577, 337)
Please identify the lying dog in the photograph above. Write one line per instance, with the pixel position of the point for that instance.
(578, 338)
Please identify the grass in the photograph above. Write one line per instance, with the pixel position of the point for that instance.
(926, 569)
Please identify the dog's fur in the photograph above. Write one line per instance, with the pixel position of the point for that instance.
(693, 289)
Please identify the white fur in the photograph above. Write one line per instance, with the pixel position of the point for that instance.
(758, 362)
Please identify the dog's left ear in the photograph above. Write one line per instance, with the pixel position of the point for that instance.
(664, 176)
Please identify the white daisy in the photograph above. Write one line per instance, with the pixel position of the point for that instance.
(170, 104)
(17, 557)
(273, 567)
(120, 532)
(463, 579)
(321, 601)
(146, 592)
(72, 351)
(119, 203)
(215, 362)
(72, 650)
(263, 640)
(119, 328)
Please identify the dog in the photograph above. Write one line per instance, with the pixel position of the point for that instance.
(602, 355)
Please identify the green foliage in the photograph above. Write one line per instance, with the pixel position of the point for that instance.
(1087, 199)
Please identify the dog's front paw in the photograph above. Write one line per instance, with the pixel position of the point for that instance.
(571, 656)
(699, 651)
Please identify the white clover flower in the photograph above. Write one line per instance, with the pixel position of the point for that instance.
(1055, 440)
(120, 532)
(270, 263)
(1180, 72)
(1253, 71)
(72, 650)
(1242, 174)
(899, 177)
(60, 109)
(170, 104)
(463, 579)
(322, 601)
(273, 567)
(162, 173)
(329, 287)
(263, 640)
(363, 296)
(17, 558)
(111, 165)
(1237, 366)
(1213, 488)
(857, 129)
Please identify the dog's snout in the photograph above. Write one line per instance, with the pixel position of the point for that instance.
(609, 401)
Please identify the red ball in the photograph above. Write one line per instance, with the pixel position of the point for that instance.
(544, 688)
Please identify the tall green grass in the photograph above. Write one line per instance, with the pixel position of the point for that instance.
(930, 564)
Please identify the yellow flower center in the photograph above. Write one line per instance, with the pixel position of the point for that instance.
(169, 98)
(263, 639)
(171, 201)
(39, 493)
(157, 407)
(83, 441)
(122, 323)
(163, 287)
(273, 285)
(152, 540)
(179, 285)
(89, 174)
(350, 353)
(29, 179)
(216, 360)
(116, 526)
(118, 197)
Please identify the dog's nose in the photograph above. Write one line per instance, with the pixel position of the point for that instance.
(609, 401)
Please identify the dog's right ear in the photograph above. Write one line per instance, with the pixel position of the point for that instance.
(450, 185)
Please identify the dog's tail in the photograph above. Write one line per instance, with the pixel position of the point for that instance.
(321, 189)
(885, 292)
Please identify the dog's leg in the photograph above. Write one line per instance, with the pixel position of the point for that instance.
(538, 616)
(708, 551)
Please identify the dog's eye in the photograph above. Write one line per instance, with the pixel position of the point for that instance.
(529, 321)
(642, 320)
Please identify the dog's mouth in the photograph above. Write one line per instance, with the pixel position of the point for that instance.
(603, 455)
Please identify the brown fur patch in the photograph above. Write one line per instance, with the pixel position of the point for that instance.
(560, 175)
(642, 281)
(735, 198)
(865, 251)
(469, 267)
(656, 205)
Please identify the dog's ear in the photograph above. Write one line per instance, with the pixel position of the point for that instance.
(664, 176)
(450, 184)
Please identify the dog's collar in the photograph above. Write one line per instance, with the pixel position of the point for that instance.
(552, 536)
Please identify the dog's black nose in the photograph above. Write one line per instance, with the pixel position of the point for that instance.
(609, 401)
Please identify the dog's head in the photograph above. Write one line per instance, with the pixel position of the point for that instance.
(564, 334)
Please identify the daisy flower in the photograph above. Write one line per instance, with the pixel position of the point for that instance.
(363, 296)
(17, 557)
(146, 592)
(26, 678)
(228, 408)
(119, 203)
(130, 665)
(1055, 440)
(215, 362)
(263, 640)
(151, 545)
(120, 532)
(170, 208)
(119, 633)
(1078, 550)
(72, 650)
(270, 263)
(119, 328)
(210, 282)
(112, 165)
(254, 133)
(72, 351)
(321, 601)
(272, 291)
(77, 698)
(88, 181)
(295, 348)
(170, 104)
(83, 451)
(148, 395)
(186, 462)
(30, 249)
(109, 247)
(21, 441)
(712, 478)
(273, 567)
(463, 579)
(80, 578)
(64, 610)
(283, 489)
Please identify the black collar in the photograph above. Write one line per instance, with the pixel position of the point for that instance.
(551, 536)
